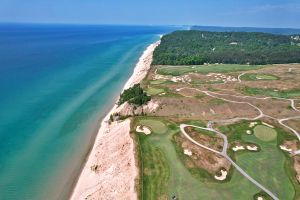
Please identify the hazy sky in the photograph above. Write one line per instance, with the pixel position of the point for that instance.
(258, 13)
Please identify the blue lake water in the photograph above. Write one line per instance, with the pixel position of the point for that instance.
(56, 82)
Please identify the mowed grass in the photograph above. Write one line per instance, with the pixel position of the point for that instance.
(204, 69)
(269, 165)
(257, 77)
(154, 91)
(164, 174)
(155, 174)
(265, 133)
(272, 92)
(157, 82)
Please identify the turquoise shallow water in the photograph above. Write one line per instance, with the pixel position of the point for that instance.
(56, 82)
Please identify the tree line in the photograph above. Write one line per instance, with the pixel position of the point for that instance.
(199, 47)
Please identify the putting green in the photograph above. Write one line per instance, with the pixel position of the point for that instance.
(265, 133)
(257, 77)
(155, 125)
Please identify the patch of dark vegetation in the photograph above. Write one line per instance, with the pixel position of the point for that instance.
(199, 47)
(134, 95)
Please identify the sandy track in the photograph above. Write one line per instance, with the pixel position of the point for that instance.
(111, 169)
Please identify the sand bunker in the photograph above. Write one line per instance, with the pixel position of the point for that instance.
(284, 148)
(188, 152)
(252, 148)
(143, 129)
(266, 124)
(237, 148)
(252, 124)
(223, 175)
(249, 132)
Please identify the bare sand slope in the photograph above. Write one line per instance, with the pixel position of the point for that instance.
(111, 169)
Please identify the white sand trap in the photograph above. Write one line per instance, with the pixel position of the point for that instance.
(212, 111)
(223, 175)
(252, 148)
(249, 132)
(188, 152)
(252, 124)
(284, 148)
(237, 148)
(268, 125)
(143, 129)
(260, 198)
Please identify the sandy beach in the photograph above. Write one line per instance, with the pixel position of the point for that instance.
(111, 170)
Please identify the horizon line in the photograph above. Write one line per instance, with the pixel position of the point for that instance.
(158, 25)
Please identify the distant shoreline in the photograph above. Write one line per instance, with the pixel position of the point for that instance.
(91, 183)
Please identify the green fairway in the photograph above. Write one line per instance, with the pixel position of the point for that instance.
(257, 77)
(164, 174)
(265, 133)
(272, 92)
(157, 82)
(204, 69)
(154, 91)
(267, 167)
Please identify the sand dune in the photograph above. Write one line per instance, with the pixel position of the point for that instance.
(111, 169)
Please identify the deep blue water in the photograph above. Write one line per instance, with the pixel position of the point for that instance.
(56, 82)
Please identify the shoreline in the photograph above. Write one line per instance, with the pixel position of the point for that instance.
(114, 174)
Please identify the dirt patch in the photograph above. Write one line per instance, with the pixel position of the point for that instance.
(206, 138)
(204, 109)
(295, 124)
(202, 158)
(291, 144)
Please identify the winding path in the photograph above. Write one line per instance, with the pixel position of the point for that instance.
(232, 120)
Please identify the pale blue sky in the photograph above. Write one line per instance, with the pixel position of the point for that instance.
(258, 13)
